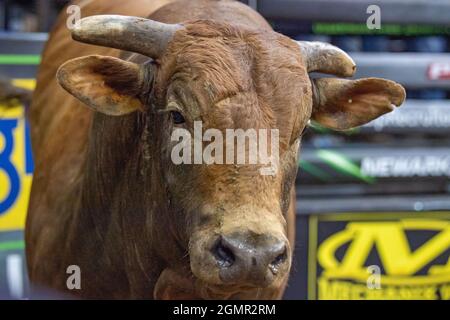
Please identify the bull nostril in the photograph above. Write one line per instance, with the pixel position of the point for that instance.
(224, 256)
(278, 261)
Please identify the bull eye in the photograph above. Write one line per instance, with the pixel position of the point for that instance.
(177, 117)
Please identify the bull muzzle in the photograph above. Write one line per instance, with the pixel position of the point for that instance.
(249, 259)
(240, 258)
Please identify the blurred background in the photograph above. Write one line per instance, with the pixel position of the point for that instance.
(373, 204)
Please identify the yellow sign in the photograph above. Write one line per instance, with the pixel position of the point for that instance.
(410, 254)
(16, 163)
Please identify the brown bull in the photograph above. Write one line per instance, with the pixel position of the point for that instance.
(106, 195)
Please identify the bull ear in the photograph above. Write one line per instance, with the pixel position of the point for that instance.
(341, 104)
(105, 84)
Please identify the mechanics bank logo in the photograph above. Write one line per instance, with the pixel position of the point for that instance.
(417, 267)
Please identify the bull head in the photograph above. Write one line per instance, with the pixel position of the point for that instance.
(233, 222)
(332, 108)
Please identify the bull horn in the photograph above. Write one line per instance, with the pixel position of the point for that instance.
(134, 34)
(326, 58)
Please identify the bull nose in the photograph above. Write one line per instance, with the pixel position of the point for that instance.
(249, 258)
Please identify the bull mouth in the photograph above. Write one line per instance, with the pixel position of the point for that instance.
(182, 285)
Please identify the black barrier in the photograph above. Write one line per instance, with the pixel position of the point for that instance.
(373, 168)
(424, 116)
(169, 310)
(20, 54)
(13, 273)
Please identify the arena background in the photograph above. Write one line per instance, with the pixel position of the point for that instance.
(373, 206)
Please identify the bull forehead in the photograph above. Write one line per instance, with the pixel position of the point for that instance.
(233, 78)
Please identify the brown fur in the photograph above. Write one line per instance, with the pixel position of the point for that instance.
(106, 195)
(89, 203)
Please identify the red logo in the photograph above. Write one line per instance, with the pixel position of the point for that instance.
(439, 71)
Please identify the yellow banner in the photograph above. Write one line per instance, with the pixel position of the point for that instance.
(16, 164)
(406, 256)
